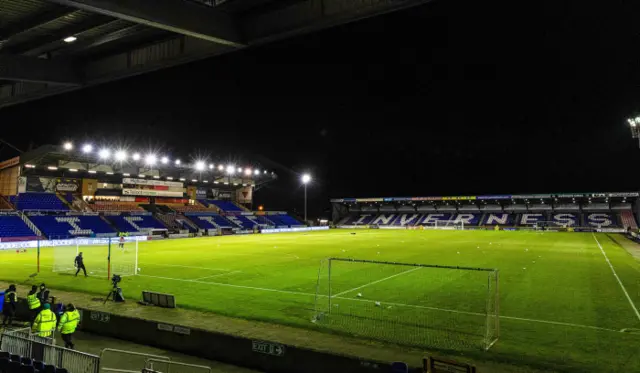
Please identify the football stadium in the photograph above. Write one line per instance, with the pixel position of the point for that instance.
(502, 283)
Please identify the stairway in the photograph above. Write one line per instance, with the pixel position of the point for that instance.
(628, 220)
(30, 224)
(65, 201)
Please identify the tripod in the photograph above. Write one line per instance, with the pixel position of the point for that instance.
(115, 294)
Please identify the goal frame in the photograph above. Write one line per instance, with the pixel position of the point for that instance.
(77, 242)
(444, 224)
(488, 341)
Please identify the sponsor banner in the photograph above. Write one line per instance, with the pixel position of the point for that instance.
(610, 230)
(283, 230)
(201, 193)
(503, 196)
(369, 199)
(392, 227)
(426, 198)
(67, 185)
(128, 180)
(9, 163)
(151, 193)
(80, 241)
(531, 196)
(179, 235)
(354, 226)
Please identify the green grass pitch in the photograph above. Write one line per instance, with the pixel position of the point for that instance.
(561, 307)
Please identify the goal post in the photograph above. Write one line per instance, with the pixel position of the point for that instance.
(102, 256)
(418, 305)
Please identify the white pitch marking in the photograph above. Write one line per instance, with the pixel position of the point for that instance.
(375, 282)
(633, 306)
(218, 275)
(181, 266)
(387, 303)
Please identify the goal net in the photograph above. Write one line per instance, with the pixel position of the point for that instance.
(444, 224)
(102, 256)
(409, 304)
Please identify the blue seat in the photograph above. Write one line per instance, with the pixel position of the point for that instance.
(39, 365)
(26, 361)
(49, 369)
(27, 369)
(38, 201)
(16, 358)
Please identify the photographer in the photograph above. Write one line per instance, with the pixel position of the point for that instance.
(68, 324)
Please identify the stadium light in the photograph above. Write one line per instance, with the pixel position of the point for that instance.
(69, 39)
(306, 178)
(104, 154)
(164, 160)
(88, 148)
(211, 166)
(634, 126)
(247, 171)
(240, 169)
(177, 162)
(67, 146)
(220, 168)
(231, 170)
(256, 172)
(200, 166)
(150, 159)
(136, 156)
(121, 156)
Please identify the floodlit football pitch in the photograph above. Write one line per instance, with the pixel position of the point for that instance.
(566, 301)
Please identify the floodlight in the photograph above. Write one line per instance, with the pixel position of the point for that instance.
(177, 162)
(164, 160)
(104, 153)
(211, 166)
(194, 180)
(88, 148)
(121, 156)
(67, 146)
(220, 168)
(265, 172)
(70, 39)
(306, 178)
(231, 170)
(200, 165)
(247, 171)
(150, 159)
(256, 172)
(136, 156)
(637, 120)
(169, 178)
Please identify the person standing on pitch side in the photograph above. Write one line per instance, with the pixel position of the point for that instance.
(33, 303)
(9, 307)
(79, 263)
(68, 324)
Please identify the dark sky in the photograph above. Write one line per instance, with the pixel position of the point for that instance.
(451, 98)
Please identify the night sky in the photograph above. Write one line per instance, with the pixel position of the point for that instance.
(451, 98)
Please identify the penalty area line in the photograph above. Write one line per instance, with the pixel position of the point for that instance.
(218, 275)
(633, 306)
(376, 282)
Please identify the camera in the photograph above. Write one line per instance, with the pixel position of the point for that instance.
(115, 280)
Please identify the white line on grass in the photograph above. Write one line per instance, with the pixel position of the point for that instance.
(181, 266)
(633, 306)
(386, 303)
(376, 282)
(218, 275)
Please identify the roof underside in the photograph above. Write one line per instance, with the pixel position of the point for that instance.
(115, 39)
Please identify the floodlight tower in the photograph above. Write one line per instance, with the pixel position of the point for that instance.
(306, 178)
(634, 125)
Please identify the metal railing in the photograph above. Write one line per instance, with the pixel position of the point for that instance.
(122, 361)
(42, 349)
(164, 366)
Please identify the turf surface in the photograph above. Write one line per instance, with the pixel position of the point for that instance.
(561, 306)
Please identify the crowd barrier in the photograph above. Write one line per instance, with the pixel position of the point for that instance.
(83, 241)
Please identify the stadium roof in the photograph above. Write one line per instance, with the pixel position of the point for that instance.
(488, 197)
(49, 47)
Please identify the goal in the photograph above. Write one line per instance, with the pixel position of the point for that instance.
(418, 305)
(444, 224)
(102, 256)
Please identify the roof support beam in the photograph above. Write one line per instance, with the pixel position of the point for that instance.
(31, 69)
(35, 21)
(177, 16)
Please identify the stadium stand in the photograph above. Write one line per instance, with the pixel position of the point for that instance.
(135, 223)
(244, 221)
(38, 201)
(223, 205)
(188, 208)
(601, 220)
(13, 226)
(210, 221)
(71, 226)
(628, 221)
(115, 206)
(283, 221)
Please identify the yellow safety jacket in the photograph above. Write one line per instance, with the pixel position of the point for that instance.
(45, 323)
(69, 322)
(8, 296)
(33, 301)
